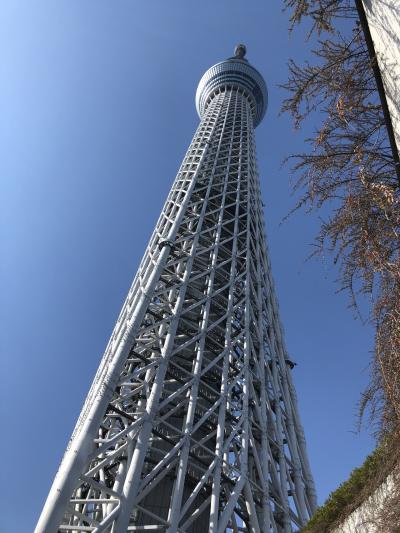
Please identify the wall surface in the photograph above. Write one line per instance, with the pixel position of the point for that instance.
(384, 24)
(363, 519)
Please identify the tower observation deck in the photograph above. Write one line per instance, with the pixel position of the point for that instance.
(191, 423)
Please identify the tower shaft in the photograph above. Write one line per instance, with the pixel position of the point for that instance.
(191, 423)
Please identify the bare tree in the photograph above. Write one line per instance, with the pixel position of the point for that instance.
(350, 166)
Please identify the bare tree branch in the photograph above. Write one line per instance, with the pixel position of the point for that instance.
(350, 165)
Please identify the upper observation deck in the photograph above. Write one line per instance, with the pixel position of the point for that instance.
(234, 72)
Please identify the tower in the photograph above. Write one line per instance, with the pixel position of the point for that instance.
(191, 423)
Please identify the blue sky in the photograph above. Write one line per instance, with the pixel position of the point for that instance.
(97, 106)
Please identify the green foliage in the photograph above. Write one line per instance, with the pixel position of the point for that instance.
(350, 494)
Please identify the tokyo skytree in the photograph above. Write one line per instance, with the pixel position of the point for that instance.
(191, 424)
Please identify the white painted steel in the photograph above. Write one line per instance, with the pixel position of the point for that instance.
(191, 424)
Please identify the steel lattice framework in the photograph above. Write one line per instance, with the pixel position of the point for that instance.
(191, 424)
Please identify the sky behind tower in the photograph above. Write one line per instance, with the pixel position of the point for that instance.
(97, 105)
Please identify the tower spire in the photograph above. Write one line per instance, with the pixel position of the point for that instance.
(240, 51)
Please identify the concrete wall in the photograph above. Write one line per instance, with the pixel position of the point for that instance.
(362, 520)
(384, 24)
